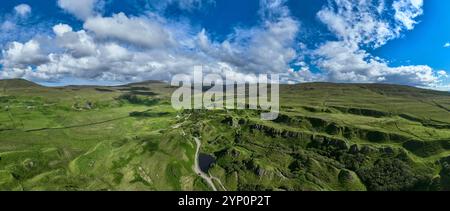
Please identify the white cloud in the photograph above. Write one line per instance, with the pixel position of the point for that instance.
(442, 73)
(81, 55)
(447, 45)
(114, 52)
(342, 62)
(359, 25)
(138, 31)
(81, 9)
(406, 11)
(23, 54)
(78, 44)
(60, 29)
(358, 22)
(256, 50)
(264, 49)
(365, 22)
(127, 48)
(270, 9)
(381, 6)
(123, 48)
(22, 10)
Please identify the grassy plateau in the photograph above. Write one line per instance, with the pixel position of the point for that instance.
(328, 137)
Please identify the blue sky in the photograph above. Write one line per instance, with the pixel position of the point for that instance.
(59, 42)
(424, 44)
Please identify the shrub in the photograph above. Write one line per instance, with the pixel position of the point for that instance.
(135, 99)
(388, 174)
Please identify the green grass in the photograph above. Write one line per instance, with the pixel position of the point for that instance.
(328, 137)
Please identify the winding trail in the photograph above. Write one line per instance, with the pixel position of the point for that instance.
(220, 183)
(209, 179)
(197, 166)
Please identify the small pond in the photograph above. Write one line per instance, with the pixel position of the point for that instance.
(205, 161)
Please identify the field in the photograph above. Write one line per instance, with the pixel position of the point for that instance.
(327, 137)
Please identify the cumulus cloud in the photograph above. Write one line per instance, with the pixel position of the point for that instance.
(347, 63)
(124, 48)
(81, 9)
(115, 53)
(406, 11)
(442, 73)
(22, 10)
(447, 45)
(22, 55)
(256, 50)
(78, 44)
(358, 22)
(80, 54)
(128, 48)
(359, 25)
(135, 30)
(61, 29)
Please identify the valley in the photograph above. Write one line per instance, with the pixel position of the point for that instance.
(328, 137)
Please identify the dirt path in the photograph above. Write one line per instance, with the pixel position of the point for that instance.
(220, 182)
(197, 170)
(208, 178)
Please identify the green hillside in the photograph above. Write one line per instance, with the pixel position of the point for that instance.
(327, 137)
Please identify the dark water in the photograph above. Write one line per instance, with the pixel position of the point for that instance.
(205, 161)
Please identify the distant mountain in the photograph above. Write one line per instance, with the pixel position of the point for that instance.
(17, 83)
(390, 89)
(144, 83)
(381, 88)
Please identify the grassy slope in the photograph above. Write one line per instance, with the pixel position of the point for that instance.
(328, 137)
(386, 137)
(84, 138)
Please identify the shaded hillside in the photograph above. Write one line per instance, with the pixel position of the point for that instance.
(17, 83)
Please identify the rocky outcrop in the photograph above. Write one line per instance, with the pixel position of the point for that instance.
(426, 123)
(427, 148)
(362, 112)
(279, 132)
(320, 125)
(321, 141)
